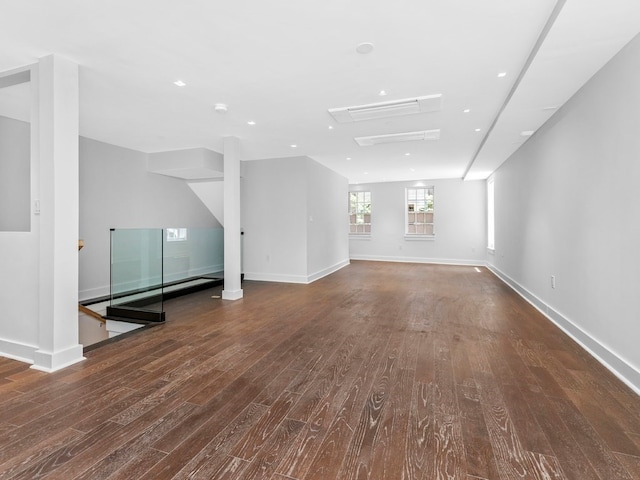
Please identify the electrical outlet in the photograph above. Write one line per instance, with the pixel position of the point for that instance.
(553, 281)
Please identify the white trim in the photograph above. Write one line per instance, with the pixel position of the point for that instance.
(412, 237)
(91, 293)
(284, 278)
(275, 277)
(232, 294)
(437, 261)
(608, 358)
(53, 361)
(327, 271)
(17, 351)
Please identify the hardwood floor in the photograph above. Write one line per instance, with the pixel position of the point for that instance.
(379, 371)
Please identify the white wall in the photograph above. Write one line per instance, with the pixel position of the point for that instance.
(459, 224)
(117, 191)
(15, 190)
(327, 223)
(567, 205)
(19, 255)
(285, 202)
(274, 205)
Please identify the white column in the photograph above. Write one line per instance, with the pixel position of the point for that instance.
(232, 246)
(58, 192)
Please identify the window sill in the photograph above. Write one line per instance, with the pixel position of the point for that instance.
(359, 236)
(418, 237)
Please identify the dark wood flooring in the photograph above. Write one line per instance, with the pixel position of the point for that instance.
(379, 371)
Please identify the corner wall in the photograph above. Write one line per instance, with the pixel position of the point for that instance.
(566, 205)
(459, 223)
(117, 191)
(294, 220)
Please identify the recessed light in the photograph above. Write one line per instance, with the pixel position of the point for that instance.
(364, 48)
(179, 83)
(293, 145)
(330, 127)
(382, 93)
(466, 110)
(348, 158)
(220, 108)
(407, 154)
(502, 74)
(251, 122)
(478, 129)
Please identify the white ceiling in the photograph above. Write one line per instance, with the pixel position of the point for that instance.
(284, 63)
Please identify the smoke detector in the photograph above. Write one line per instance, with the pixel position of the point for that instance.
(220, 108)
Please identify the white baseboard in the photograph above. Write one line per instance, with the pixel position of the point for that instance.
(275, 277)
(304, 279)
(327, 271)
(17, 351)
(437, 261)
(91, 293)
(610, 359)
(53, 361)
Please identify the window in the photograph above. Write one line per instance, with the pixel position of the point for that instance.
(491, 223)
(419, 211)
(360, 213)
(176, 234)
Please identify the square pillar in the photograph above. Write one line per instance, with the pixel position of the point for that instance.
(232, 240)
(58, 192)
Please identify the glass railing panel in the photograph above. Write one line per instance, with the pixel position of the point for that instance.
(136, 268)
(192, 253)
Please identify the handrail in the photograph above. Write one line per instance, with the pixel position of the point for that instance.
(88, 311)
(82, 308)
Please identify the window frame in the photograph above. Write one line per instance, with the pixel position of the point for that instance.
(423, 229)
(362, 228)
(491, 215)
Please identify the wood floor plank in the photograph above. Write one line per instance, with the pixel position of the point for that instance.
(210, 459)
(480, 459)
(378, 371)
(358, 458)
(600, 457)
(571, 457)
(330, 454)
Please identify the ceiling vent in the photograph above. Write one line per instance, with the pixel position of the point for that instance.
(374, 111)
(398, 137)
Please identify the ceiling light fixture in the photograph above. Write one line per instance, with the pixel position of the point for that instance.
(330, 127)
(251, 122)
(466, 110)
(220, 108)
(502, 74)
(179, 83)
(348, 158)
(382, 93)
(478, 129)
(293, 145)
(407, 154)
(364, 48)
